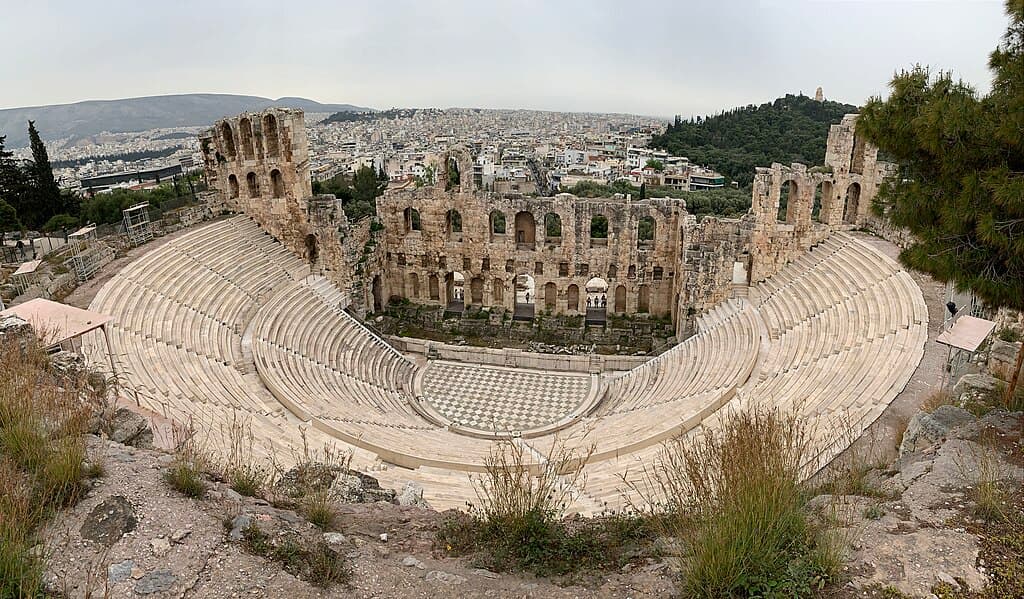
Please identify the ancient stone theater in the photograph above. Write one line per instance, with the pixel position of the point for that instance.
(267, 313)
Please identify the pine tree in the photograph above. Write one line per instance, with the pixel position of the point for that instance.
(960, 185)
(46, 199)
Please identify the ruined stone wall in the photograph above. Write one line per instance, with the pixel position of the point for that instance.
(420, 262)
(837, 195)
(708, 260)
(258, 163)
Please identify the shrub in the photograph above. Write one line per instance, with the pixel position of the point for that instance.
(736, 499)
(519, 523)
(42, 419)
(1009, 335)
(317, 563)
(185, 473)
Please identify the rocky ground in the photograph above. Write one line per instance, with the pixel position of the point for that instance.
(913, 527)
(133, 535)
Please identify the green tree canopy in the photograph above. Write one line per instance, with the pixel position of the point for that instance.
(8, 218)
(46, 199)
(960, 185)
(793, 128)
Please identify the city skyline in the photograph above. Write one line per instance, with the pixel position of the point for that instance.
(593, 57)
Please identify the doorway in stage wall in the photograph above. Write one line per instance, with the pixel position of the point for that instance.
(597, 301)
(526, 298)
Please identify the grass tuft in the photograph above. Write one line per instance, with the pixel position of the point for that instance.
(43, 417)
(520, 521)
(317, 563)
(185, 473)
(736, 500)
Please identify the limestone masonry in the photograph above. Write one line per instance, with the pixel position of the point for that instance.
(454, 244)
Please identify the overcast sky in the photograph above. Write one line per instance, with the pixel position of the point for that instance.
(655, 57)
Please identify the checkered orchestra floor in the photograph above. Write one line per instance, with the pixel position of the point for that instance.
(499, 399)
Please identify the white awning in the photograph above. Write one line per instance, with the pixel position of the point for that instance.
(967, 333)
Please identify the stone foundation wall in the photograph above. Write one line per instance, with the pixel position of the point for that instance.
(516, 358)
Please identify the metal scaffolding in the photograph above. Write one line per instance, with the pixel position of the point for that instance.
(88, 254)
(136, 224)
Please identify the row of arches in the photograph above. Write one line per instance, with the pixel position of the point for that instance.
(822, 205)
(252, 185)
(270, 146)
(596, 294)
(525, 227)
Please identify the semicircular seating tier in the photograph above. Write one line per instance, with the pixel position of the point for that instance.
(223, 320)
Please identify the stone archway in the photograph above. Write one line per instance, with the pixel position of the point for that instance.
(597, 300)
(455, 291)
(526, 297)
(852, 209)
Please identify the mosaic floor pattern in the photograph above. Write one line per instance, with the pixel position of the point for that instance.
(499, 399)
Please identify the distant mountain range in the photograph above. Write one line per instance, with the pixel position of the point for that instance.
(83, 119)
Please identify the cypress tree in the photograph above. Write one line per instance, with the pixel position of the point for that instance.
(960, 185)
(13, 184)
(47, 200)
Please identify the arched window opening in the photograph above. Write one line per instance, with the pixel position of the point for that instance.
(227, 137)
(787, 201)
(613, 271)
(233, 186)
(822, 202)
(312, 253)
(526, 230)
(253, 184)
(245, 135)
(412, 219)
(645, 229)
(270, 136)
(414, 286)
(552, 228)
(277, 183)
(497, 219)
(378, 301)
